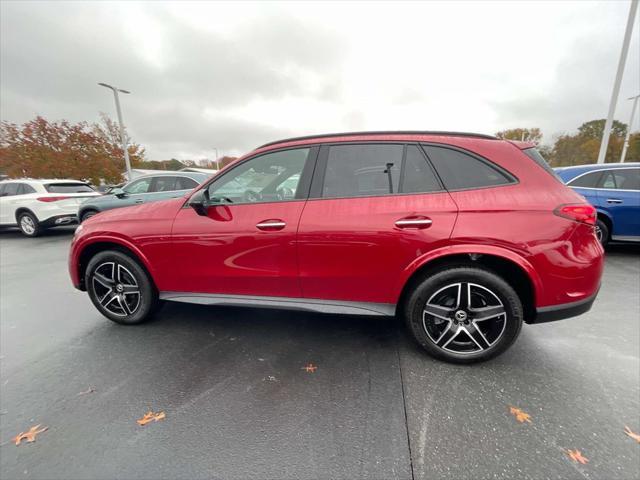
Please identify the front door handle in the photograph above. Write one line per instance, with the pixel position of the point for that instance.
(614, 200)
(139, 200)
(414, 222)
(271, 225)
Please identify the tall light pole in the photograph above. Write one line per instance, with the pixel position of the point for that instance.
(123, 135)
(217, 162)
(626, 138)
(616, 86)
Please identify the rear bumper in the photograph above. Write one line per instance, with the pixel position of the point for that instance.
(552, 313)
(59, 220)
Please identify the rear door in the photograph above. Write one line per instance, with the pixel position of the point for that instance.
(619, 196)
(374, 209)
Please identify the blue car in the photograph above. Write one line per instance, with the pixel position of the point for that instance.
(614, 189)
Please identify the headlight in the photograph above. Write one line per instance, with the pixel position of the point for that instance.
(78, 230)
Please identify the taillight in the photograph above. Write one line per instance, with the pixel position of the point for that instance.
(51, 199)
(579, 213)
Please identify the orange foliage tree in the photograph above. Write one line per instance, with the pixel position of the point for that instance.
(43, 149)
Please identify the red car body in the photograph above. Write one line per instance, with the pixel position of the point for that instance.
(350, 254)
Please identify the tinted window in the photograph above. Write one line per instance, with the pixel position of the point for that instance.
(68, 188)
(261, 179)
(10, 189)
(163, 184)
(138, 186)
(588, 180)
(535, 155)
(185, 183)
(459, 170)
(26, 189)
(418, 175)
(362, 170)
(621, 179)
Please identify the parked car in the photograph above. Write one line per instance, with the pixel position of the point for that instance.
(35, 205)
(464, 236)
(614, 189)
(144, 189)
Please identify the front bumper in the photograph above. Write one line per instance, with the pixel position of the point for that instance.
(552, 313)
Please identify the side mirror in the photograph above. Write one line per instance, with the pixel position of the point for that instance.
(118, 192)
(199, 201)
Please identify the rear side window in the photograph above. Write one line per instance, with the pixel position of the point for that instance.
(163, 184)
(588, 180)
(460, 171)
(185, 183)
(621, 179)
(417, 175)
(68, 188)
(362, 170)
(10, 189)
(25, 189)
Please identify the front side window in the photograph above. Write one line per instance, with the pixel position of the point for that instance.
(362, 170)
(588, 180)
(138, 186)
(272, 177)
(621, 179)
(461, 171)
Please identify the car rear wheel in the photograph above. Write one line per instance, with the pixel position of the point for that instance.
(602, 232)
(87, 214)
(29, 224)
(464, 314)
(120, 288)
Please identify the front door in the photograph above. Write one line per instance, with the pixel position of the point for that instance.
(245, 244)
(378, 208)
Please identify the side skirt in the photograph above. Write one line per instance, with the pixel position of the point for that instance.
(625, 238)
(305, 304)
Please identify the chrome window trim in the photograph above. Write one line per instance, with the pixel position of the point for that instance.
(604, 169)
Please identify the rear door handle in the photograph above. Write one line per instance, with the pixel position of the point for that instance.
(415, 222)
(271, 225)
(614, 200)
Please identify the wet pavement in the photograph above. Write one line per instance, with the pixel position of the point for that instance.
(239, 402)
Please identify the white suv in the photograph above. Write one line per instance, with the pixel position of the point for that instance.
(34, 205)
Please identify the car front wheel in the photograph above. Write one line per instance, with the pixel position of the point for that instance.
(120, 288)
(464, 314)
(29, 224)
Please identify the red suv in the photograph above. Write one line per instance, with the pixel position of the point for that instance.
(464, 236)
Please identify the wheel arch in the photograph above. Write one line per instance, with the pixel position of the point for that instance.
(89, 250)
(519, 274)
(606, 218)
(21, 210)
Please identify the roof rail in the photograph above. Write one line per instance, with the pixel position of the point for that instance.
(382, 132)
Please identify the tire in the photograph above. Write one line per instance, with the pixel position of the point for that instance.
(120, 288)
(87, 214)
(462, 337)
(602, 232)
(29, 225)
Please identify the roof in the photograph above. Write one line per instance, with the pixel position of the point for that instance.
(208, 171)
(599, 166)
(380, 133)
(42, 180)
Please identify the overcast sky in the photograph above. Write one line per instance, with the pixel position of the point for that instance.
(233, 76)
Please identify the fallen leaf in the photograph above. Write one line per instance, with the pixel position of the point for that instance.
(151, 417)
(310, 368)
(30, 435)
(633, 435)
(88, 390)
(576, 456)
(520, 415)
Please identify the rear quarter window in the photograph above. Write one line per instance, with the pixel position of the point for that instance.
(461, 171)
(537, 157)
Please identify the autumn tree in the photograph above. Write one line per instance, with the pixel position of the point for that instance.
(584, 147)
(42, 149)
(533, 135)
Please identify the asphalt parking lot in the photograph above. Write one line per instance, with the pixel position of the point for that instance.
(239, 402)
